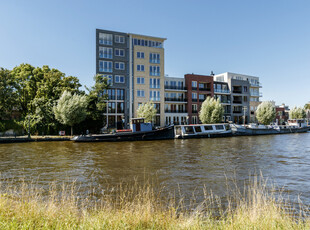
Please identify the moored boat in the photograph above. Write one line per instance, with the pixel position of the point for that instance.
(292, 126)
(139, 131)
(202, 131)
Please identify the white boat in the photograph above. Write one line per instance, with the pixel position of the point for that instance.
(202, 131)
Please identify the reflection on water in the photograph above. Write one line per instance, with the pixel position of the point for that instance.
(189, 164)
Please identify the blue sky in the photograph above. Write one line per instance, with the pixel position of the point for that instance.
(269, 39)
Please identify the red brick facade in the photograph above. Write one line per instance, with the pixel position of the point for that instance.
(204, 87)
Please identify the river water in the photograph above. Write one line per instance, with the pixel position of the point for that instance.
(187, 165)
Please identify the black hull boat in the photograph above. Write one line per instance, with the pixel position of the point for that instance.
(158, 134)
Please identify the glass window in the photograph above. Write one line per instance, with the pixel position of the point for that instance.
(120, 52)
(197, 129)
(189, 129)
(140, 55)
(194, 95)
(119, 39)
(119, 79)
(194, 84)
(105, 39)
(140, 93)
(219, 127)
(208, 127)
(120, 65)
(140, 67)
(154, 71)
(105, 66)
(105, 52)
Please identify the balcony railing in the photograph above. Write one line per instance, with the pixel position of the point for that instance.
(175, 111)
(175, 99)
(256, 94)
(237, 91)
(237, 102)
(226, 102)
(175, 87)
(221, 91)
(255, 84)
(204, 89)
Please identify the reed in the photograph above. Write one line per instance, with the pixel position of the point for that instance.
(142, 206)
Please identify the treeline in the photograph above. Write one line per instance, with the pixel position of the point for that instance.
(29, 96)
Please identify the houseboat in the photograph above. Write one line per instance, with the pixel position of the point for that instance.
(139, 131)
(202, 131)
(292, 126)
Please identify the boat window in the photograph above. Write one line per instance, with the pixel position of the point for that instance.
(219, 127)
(208, 127)
(189, 129)
(178, 131)
(198, 129)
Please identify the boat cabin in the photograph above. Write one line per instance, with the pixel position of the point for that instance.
(300, 123)
(200, 129)
(138, 124)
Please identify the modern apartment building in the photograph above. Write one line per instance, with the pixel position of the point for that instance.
(175, 101)
(254, 89)
(134, 66)
(199, 87)
(222, 92)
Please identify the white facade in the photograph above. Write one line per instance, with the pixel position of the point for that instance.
(175, 101)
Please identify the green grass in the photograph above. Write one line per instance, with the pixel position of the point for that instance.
(143, 207)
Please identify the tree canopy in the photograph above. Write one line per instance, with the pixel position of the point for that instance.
(147, 111)
(266, 112)
(297, 113)
(70, 109)
(211, 111)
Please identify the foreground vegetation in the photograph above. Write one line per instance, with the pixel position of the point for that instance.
(143, 207)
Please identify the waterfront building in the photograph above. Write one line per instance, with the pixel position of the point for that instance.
(282, 114)
(199, 87)
(254, 91)
(175, 101)
(134, 67)
(222, 92)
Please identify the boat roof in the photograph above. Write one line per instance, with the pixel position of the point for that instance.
(203, 124)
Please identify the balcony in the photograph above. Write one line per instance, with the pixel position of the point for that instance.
(204, 89)
(154, 98)
(237, 102)
(175, 99)
(221, 91)
(237, 91)
(194, 88)
(225, 102)
(237, 112)
(194, 100)
(175, 111)
(175, 87)
(256, 94)
(255, 84)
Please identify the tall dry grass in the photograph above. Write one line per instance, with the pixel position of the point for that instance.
(141, 206)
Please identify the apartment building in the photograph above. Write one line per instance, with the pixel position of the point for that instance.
(254, 89)
(222, 92)
(199, 87)
(134, 66)
(175, 101)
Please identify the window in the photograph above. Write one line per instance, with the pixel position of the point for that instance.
(201, 97)
(208, 127)
(120, 52)
(245, 89)
(111, 94)
(119, 79)
(194, 96)
(201, 86)
(154, 71)
(120, 65)
(142, 42)
(119, 39)
(154, 83)
(154, 58)
(245, 99)
(219, 127)
(105, 66)
(105, 39)
(140, 80)
(140, 93)
(140, 67)
(194, 108)
(120, 94)
(105, 52)
(189, 129)
(120, 107)
(194, 119)
(197, 129)
(111, 106)
(194, 84)
(154, 95)
(140, 54)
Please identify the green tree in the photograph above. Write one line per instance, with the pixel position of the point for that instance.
(266, 112)
(211, 111)
(71, 109)
(7, 94)
(307, 106)
(297, 113)
(147, 111)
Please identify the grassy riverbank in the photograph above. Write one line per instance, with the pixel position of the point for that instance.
(142, 207)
